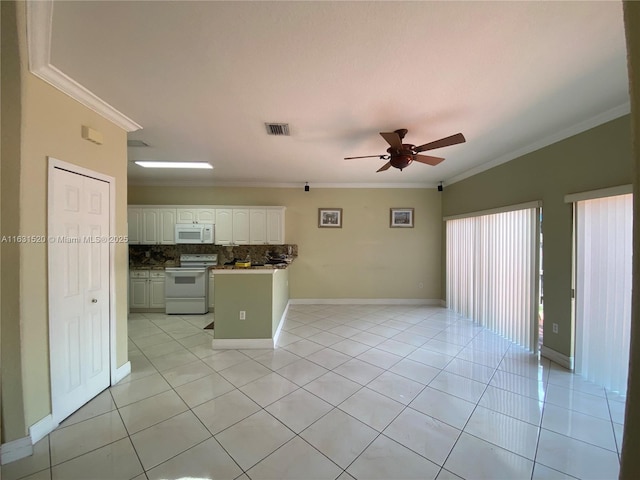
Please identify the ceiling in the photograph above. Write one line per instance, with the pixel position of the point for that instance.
(202, 78)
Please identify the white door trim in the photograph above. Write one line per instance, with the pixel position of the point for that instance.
(59, 164)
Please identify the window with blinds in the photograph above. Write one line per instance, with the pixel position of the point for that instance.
(492, 268)
(603, 232)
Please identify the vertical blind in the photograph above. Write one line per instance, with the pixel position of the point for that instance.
(492, 270)
(603, 289)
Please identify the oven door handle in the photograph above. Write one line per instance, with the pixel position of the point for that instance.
(185, 272)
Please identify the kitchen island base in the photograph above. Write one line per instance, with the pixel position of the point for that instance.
(250, 307)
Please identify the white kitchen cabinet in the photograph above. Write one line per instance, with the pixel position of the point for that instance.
(232, 226)
(241, 226)
(155, 225)
(224, 226)
(257, 226)
(146, 289)
(211, 291)
(196, 215)
(266, 226)
(134, 220)
(275, 226)
(139, 289)
(158, 226)
(156, 289)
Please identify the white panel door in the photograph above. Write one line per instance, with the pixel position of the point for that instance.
(240, 226)
(186, 215)
(275, 227)
(79, 291)
(206, 215)
(167, 226)
(150, 226)
(156, 292)
(257, 226)
(224, 226)
(134, 219)
(139, 293)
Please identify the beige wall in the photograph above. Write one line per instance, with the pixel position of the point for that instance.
(51, 126)
(598, 158)
(363, 259)
(12, 404)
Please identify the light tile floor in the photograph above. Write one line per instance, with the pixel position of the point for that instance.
(387, 392)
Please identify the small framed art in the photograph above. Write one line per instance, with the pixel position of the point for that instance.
(329, 218)
(401, 218)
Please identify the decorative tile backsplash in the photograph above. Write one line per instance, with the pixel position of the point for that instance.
(169, 255)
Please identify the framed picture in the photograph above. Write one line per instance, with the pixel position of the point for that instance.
(329, 218)
(401, 217)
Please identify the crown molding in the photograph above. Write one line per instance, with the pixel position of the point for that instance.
(39, 25)
(580, 127)
(214, 184)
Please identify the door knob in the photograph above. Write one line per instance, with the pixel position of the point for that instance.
(94, 300)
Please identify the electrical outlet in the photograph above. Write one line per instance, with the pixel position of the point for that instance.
(555, 328)
(243, 315)
(421, 285)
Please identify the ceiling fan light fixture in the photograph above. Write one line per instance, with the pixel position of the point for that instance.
(153, 164)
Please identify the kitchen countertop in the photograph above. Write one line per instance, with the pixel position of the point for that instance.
(218, 268)
(151, 267)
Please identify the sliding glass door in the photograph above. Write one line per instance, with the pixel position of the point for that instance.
(603, 289)
(492, 265)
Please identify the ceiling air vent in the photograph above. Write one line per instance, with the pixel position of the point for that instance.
(277, 129)
(136, 143)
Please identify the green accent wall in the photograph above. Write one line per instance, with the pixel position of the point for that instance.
(280, 296)
(597, 158)
(252, 293)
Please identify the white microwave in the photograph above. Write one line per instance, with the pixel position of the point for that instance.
(194, 233)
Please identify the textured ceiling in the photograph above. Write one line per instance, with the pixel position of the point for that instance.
(203, 77)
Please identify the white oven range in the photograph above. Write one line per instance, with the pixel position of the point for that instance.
(187, 286)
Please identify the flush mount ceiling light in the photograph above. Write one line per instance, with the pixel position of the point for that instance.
(174, 164)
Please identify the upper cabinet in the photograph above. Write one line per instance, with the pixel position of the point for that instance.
(232, 226)
(275, 226)
(196, 215)
(134, 220)
(258, 226)
(241, 226)
(154, 225)
(224, 226)
(266, 226)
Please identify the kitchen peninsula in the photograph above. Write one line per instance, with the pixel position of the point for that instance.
(250, 304)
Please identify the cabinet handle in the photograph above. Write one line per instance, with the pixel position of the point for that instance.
(94, 300)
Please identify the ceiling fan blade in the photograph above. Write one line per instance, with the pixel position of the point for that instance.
(384, 167)
(392, 139)
(429, 160)
(443, 142)
(367, 156)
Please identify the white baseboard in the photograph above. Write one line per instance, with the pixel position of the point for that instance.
(42, 428)
(365, 301)
(15, 450)
(119, 373)
(443, 303)
(241, 343)
(280, 325)
(557, 357)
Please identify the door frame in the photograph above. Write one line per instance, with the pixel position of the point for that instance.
(54, 163)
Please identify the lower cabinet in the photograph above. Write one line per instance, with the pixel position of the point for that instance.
(211, 291)
(146, 289)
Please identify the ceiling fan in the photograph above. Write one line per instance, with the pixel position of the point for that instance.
(401, 155)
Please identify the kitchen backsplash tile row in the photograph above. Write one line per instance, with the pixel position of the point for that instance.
(169, 255)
